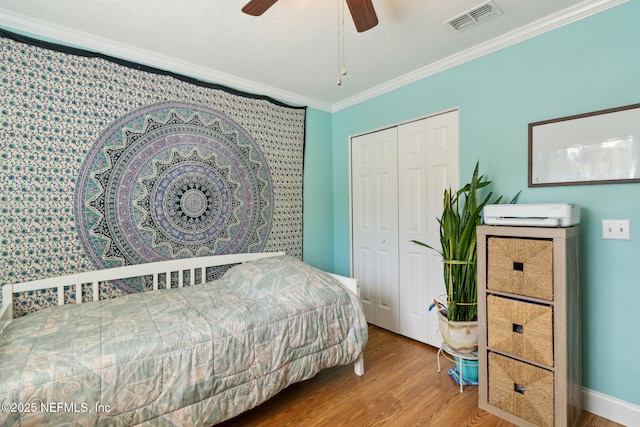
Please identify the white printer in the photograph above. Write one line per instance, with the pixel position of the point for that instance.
(533, 215)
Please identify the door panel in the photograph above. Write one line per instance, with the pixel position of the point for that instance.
(375, 224)
(363, 261)
(412, 207)
(442, 163)
(428, 161)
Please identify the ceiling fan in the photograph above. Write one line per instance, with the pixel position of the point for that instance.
(362, 12)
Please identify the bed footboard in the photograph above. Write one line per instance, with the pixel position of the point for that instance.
(354, 286)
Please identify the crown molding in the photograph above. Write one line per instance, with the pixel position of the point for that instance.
(567, 16)
(57, 34)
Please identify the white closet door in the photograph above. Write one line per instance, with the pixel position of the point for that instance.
(375, 225)
(443, 172)
(412, 211)
(427, 164)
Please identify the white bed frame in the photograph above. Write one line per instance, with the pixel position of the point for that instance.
(154, 269)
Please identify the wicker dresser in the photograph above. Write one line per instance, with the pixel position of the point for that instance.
(529, 324)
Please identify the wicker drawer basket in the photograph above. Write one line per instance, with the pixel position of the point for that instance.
(520, 328)
(521, 389)
(520, 266)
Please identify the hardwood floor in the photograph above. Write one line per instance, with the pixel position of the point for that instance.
(400, 387)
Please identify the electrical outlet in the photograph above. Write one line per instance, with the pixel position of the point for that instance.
(617, 229)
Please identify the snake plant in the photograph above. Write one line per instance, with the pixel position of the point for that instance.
(460, 216)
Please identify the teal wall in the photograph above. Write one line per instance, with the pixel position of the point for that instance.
(589, 65)
(317, 244)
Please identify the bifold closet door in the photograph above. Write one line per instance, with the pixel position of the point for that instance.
(398, 176)
(427, 164)
(374, 192)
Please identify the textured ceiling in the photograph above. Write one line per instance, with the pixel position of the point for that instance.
(290, 52)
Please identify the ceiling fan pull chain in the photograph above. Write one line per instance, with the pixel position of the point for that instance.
(342, 69)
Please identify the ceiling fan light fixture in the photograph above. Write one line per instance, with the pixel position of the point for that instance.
(362, 11)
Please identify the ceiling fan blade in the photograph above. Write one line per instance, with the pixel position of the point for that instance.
(257, 7)
(363, 14)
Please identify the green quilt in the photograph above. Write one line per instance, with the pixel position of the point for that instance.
(191, 356)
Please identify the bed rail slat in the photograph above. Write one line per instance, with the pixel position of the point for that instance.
(78, 293)
(155, 281)
(181, 278)
(167, 280)
(60, 294)
(6, 313)
(95, 287)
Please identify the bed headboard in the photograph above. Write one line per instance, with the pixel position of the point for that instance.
(94, 278)
(154, 269)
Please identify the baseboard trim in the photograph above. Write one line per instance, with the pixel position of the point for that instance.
(611, 408)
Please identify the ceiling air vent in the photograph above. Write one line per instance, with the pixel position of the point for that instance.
(474, 16)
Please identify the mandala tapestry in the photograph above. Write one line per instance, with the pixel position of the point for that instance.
(107, 163)
(173, 180)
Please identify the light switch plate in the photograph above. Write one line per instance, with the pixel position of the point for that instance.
(617, 229)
